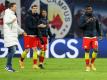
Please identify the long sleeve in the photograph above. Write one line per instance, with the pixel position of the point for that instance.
(98, 28)
(49, 32)
(20, 30)
(82, 22)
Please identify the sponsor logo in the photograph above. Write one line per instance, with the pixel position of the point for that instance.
(57, 48)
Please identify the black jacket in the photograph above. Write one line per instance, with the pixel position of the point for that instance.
(31, 23)
(44, 31)
(91, 28)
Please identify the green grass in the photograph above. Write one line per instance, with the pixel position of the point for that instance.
(55, 69)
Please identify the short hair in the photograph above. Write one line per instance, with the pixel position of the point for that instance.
(34, 6)
(11, 5)
(42, 11)
(88, 6)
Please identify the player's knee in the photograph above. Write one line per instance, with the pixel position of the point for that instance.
(96, 50)
(43, 49)
(27, 50)
(34, 49)
(87, 50)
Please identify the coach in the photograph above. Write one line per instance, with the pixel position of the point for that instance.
(11, 31)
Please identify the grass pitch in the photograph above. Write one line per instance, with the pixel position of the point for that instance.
(55, 69)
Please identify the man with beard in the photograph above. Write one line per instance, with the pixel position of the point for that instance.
(90, 26)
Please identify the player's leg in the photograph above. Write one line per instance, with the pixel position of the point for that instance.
(27, 48)
(23, 55)
(87, 60)
(35, 52)
(41, 58)
(94, 54)
(35, 57)
(42, 53)
(11, 52)
(86, 46)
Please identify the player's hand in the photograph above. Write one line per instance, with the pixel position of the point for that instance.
(90, 20)
(42, 26)
(25, 34)
(22, 34)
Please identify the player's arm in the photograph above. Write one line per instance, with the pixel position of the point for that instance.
(40, 34)
(41, 25)
(98, 28)
(49, 32)
(21, 31)
(84, 21)
(51, 36)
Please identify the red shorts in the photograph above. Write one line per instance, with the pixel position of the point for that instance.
(30, 42)
(43, 46)
(89, 43)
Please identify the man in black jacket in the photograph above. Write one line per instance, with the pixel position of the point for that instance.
(31, 39)
(90, 26)
(44, 32)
